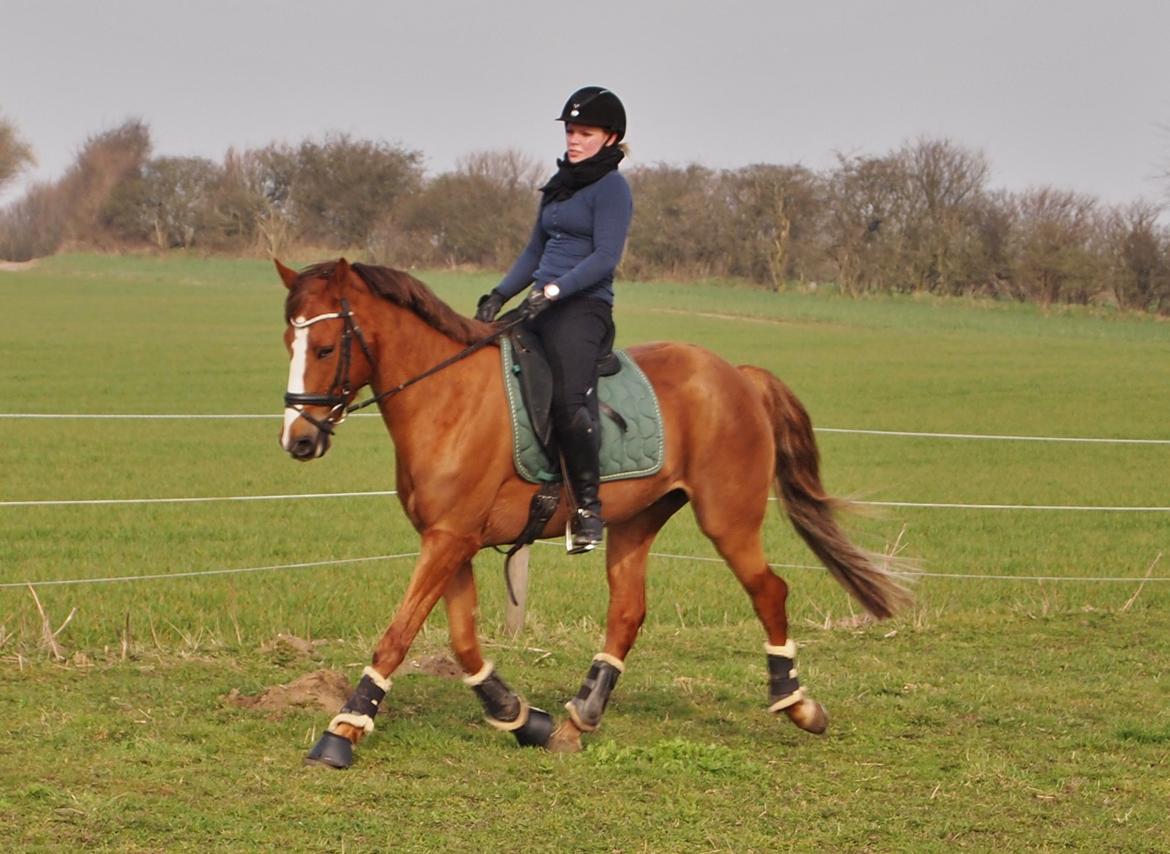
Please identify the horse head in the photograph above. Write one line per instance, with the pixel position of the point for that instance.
(325, 369)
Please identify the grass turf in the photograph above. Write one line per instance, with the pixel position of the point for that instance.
(996, 713)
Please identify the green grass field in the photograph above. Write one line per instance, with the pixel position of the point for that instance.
(998, 714)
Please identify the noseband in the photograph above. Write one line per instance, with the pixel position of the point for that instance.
(341, 389)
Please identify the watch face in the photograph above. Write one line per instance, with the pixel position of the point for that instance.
(551, 291)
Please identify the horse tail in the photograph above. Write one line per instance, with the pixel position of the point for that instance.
(811, 510)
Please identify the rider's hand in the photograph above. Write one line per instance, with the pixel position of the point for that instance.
(489, 306)
(540, 300)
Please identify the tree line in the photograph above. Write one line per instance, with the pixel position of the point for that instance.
(918, 219)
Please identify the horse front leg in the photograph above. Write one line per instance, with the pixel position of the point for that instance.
(503, 708)
(443, 554)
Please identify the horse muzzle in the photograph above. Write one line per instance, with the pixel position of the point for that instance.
(305, 437)
(308, 446)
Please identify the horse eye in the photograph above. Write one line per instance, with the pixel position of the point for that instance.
(323, 352)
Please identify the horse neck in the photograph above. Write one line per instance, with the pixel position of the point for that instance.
(406, 346)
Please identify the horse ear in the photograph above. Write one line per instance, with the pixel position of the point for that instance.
(287, 276)
(341, 271)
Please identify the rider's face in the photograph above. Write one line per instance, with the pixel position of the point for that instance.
(584, 141)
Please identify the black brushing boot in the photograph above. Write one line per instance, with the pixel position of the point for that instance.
(580, 443)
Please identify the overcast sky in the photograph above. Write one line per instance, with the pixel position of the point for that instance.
(1074, 93)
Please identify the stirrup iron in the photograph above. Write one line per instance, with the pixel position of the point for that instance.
(578, 540)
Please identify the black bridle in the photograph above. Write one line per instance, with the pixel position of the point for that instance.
(341, 389)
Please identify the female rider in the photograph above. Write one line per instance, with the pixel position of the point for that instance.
(576, 244)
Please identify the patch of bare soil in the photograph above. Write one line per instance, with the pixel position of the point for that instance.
(290, 647)
(326, 690)
(434, 664)
(16, 266)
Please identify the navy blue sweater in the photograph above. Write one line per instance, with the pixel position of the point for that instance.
(577, 243)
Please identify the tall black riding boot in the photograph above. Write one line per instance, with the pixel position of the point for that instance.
(580, 441)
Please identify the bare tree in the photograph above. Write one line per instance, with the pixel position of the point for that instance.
(1138, 253)
(1053, 248)
(169, 204)
(509, 169)
(105, 160)
(249, 206)
(265, 180)
(32, 226)
(679, 227)
(481, 213)
(865, 222)
(774, 213)
(943, 184)
(15, 154)
(343, 186)
(987, 244)
(71, 208)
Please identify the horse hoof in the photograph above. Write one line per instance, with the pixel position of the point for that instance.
(809, 715)
(566, 739)
(536, 730)
(332, 751)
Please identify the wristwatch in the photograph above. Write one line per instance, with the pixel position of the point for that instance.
(552, 290)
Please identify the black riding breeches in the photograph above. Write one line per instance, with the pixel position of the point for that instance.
(575, 334)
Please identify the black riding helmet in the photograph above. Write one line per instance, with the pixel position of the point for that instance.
(598, 107)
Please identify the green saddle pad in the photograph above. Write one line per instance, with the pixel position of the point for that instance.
(635, 453)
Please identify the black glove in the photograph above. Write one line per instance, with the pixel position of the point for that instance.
(489, 306)
(535, 304)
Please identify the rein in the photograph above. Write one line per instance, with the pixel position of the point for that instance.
(341, 381)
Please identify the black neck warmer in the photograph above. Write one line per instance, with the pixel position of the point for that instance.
(571, 177)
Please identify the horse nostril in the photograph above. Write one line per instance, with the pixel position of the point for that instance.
(302, 447)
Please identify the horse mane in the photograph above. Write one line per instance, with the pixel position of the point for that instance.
(400, 288)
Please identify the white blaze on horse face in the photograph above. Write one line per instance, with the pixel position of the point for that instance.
(296, 376)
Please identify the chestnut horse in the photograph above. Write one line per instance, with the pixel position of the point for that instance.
(730, 433)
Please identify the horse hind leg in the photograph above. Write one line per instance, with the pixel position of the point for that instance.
(503, 708)
(742, 549)
(627, 548)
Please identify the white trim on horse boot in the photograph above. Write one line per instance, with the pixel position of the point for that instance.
(510, 726)
(362, 722)
(788, 649)
(480, 677)
(791, 700)
(611, 660)
(377, 678)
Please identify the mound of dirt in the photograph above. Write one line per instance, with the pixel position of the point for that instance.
(435, 664)
(16, 266)
(288, 648)
(326, 690)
